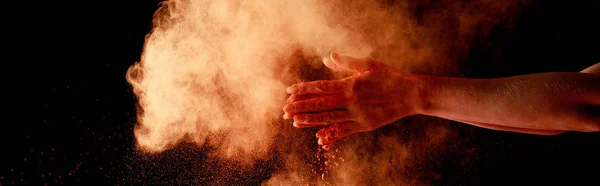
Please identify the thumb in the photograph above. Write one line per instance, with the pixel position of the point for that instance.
(346, 63)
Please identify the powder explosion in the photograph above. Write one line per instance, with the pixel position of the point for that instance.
(214, 73)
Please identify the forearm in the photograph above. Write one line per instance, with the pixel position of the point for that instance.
(514, 129)
(545, 101)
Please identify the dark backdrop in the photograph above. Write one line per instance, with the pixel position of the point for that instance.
(69, 112)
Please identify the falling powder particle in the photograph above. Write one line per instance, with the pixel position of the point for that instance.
(214, 73)
(328, 158)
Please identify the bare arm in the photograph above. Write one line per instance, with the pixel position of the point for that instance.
(594, 69)
(513, 129)
(378, 94)
(545, 103)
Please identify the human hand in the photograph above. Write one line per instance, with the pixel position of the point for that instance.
(375, 95)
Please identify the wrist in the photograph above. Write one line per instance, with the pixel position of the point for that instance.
(424, 88)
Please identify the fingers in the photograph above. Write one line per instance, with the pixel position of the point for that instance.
(328, 62)
(287, 116)
(347, 63)
(296, 97)
(338, 63)
(323, 118)
(319, 104)
(318, 87)
(332, 133)
(303, 125)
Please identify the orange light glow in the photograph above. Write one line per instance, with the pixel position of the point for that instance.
(215, 72)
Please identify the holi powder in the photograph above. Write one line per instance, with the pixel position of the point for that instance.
(328, 160)
(214, 73)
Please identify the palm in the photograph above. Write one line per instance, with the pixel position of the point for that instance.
(362, 102)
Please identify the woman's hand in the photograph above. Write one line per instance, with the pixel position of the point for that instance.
(375, 95)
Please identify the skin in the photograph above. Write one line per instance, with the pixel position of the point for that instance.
(377, 94)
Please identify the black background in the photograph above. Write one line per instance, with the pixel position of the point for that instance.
(69, 112)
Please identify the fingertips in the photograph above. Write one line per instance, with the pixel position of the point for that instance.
(323, 141)
(326, 143)
(292, 89)
(331, 65)
(287, 116)
(337, 131)
(350, 63)
(304, 125)
(323, 133)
